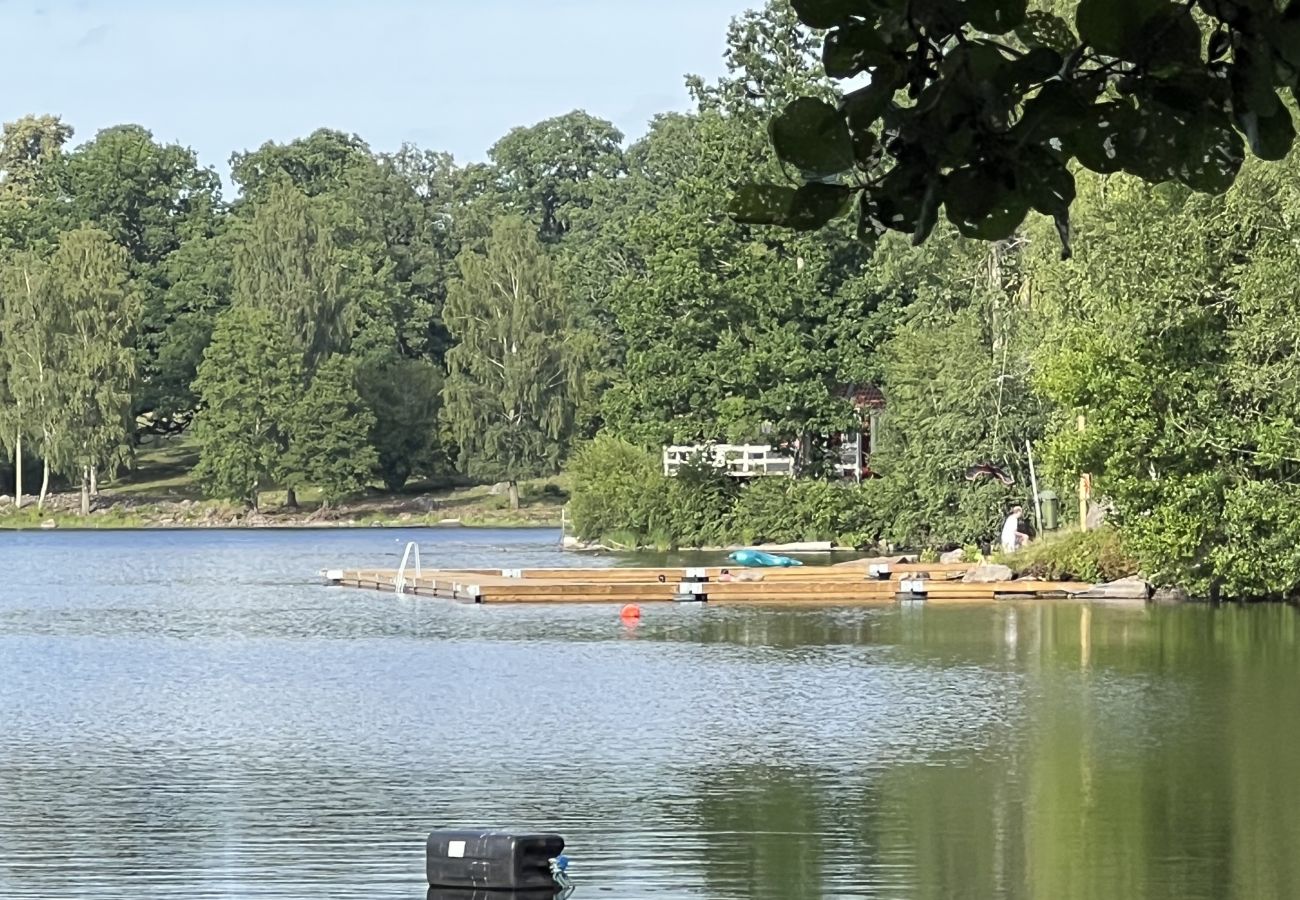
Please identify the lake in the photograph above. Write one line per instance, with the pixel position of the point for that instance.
(193, 714)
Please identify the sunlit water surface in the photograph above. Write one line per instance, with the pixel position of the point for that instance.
(193, 714)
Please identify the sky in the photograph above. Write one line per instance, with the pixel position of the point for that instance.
(453, 75)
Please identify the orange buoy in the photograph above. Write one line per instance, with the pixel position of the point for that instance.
(630, 613)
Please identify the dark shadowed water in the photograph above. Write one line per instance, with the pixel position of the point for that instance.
(192, 714)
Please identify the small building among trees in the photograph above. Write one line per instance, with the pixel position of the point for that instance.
(845, 455)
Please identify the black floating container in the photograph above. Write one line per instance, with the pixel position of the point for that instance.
(440, 893)
(492, 860)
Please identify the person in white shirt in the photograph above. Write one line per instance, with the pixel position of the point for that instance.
(1012, 539)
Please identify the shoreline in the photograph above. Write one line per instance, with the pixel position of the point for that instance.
(115, 513)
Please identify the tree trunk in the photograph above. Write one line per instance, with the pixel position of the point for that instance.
(45, 486)
(85, 491)
(94, 481)
(291, 499)
(514, 494)
(18, 471)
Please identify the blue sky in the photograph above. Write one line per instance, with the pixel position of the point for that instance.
(225, 75)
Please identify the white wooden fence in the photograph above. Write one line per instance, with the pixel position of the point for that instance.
(738, 460)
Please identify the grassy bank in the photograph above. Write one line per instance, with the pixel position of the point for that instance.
(160, 492)
(1096, 556)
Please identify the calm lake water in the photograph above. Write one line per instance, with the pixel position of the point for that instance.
(192, 714)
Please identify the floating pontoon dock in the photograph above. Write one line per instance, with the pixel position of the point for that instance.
(829, 585)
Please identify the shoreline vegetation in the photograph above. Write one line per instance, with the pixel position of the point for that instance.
(470, 509)
(363, 336)
(161, 493)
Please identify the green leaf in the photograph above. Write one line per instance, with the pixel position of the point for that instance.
(1153, 147)
(1046, 182)
(813, 136)
(1042, 29)
(1190, 91)
(869, 228)
(938, 18)
(974, 62)
(1115, 27)
(865, 105)
(1064, 232)
(805, 209)
(762, 204)
(1053, 112)
(1212, 154)
(827, 13)
(814, 205)
(855, 48)
(1284, 37)
(1251, 75)
(899, 197)
(864, 148)
(1235, 13)
(1269, 137)
(1170, 41)
(1220, 43)
(982, 206)
(1035, 67)
(1097, 138)
(996, 16)
(928, 216)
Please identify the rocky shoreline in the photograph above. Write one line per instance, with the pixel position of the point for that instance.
(63, 511)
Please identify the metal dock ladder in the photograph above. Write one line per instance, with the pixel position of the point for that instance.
(399, 582)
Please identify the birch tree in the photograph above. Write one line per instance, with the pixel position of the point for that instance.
(30, 353)
(286, 262)
(512, 378)
(98, 312)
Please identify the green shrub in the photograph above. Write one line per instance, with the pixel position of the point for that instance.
(1096, 556)
(701, 502)
(620, 495)
(782, 510)
(617, 488)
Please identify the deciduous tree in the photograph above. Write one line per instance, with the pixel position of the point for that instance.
(329, 429)
(404, 397)
(90, 284)
(286, 262)
(980, 109)
(511, 387)
(248, 382)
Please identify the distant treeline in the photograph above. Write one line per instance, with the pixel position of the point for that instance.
(353, 318)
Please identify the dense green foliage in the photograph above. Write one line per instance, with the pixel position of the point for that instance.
(356, 319)
(620, 495)
(1097, 556)
(248, 379)
(981, 107)
(329, 430)
(511, 376)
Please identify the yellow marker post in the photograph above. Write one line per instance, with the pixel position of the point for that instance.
(1085, 489)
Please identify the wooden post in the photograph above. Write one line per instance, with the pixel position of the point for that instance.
(1083, 490)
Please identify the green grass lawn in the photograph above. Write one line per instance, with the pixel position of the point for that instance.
(162, 471)
(163, 474)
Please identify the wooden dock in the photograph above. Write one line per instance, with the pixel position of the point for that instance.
(804, 585)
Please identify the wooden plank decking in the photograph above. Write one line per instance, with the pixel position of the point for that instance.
(718, 585)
